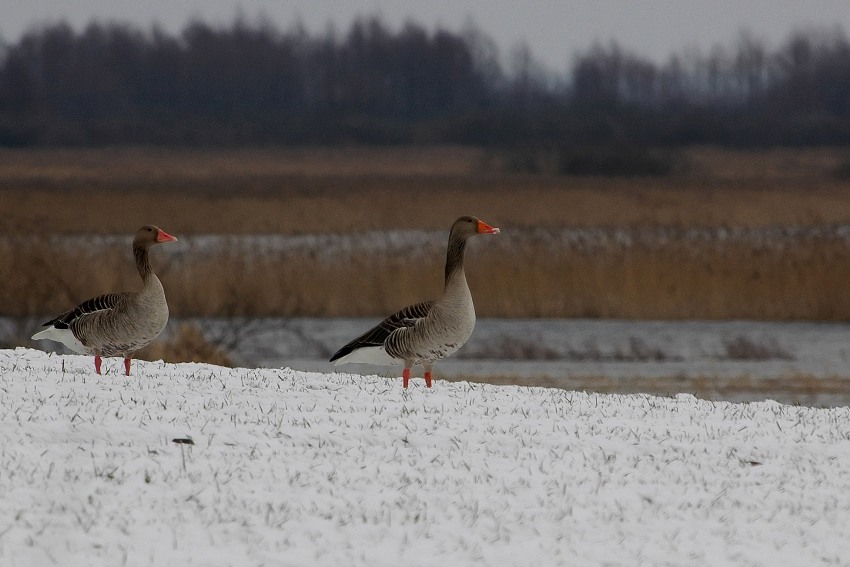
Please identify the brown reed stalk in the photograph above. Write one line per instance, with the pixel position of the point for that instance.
(518, 274)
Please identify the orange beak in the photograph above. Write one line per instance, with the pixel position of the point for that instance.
(484, 228)
(163, 236)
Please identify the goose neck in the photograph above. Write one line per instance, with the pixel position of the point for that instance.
(454, 259)
(143, 263)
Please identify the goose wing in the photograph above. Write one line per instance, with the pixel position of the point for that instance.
(376, 336)
(106, 302)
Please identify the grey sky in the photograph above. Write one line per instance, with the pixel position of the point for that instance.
(553, 29)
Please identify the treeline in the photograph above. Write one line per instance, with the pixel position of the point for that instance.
(253, 84)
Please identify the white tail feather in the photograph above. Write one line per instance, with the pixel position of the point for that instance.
(368, 355)
(64, 336)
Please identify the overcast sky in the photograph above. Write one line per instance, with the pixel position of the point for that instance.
(553, 29)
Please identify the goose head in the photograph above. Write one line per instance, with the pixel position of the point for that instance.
(467, 226)
(150, 234)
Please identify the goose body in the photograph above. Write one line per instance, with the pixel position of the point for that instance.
(423, 333)
(117, 324)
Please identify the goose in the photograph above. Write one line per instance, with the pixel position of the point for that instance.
(117, 324)
(429, 331)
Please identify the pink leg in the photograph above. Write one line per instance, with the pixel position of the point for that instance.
(406, 375)
(127, 366)
(97, 363)
(428, 378)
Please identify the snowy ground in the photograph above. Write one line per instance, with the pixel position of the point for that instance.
(801, 363)
(793, 362)
(296, 468)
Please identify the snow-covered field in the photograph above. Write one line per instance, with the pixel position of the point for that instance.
(794, 362)
(297, 468)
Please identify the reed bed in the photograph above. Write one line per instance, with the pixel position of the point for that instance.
(633, 273)
(316, 190)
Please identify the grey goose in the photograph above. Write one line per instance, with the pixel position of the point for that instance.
(425, 332)
(117, 324)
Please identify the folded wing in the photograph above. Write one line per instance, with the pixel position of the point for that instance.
(377, 335)
(106, 302)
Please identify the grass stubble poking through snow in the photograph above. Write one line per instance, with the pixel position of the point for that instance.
(295, 468)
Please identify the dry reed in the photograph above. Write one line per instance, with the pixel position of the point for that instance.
(634, 274)
(311, 191)
(187, 345)
(656, 265)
